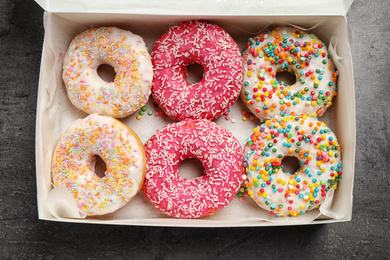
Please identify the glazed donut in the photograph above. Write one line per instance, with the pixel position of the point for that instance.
(75, 158)
(218, 151)
(126, 53)
(213, 48)
(288, 50)
(316, 148)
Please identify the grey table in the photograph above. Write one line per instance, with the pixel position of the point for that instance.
(23, 236)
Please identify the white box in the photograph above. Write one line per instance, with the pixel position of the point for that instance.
(65, 19)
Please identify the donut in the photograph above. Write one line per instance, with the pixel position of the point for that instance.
(278, 50)
(308, 140)
(126, 53)
(208, 45)
(215, 147)
(75, 157)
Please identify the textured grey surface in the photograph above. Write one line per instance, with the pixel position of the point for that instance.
(23, 236)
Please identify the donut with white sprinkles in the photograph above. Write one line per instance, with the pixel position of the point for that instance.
(208, 45)
(291, 193)
(215, 147)
(293, 51)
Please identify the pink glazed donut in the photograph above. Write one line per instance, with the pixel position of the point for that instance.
(215, 147)
(208, 45)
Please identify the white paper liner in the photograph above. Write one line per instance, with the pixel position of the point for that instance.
(56, 113)
(61, 204)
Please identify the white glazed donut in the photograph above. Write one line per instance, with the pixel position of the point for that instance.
(318, 152)
(289, 50)
(75, 158)
(126, 53)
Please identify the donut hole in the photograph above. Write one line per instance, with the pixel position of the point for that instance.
(106, 72)
(194, 73)
(286, 78)
(290, 164)
(100, 166)
(191, 168)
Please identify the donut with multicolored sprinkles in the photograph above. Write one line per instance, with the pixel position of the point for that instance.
(126, 53)
(75, 158)
(318, 152)
(297, 53)
(208, 45)
(215, 147)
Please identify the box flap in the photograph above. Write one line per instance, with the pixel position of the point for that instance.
(188, 7)
(347, 4)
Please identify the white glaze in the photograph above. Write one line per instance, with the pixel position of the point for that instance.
(126, 53)
(319, 162)
(265, 96)
(74, 164)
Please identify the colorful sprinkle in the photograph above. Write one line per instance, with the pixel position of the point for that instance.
(305, 188)
(294, 54)
(128, 55)
(74, 160)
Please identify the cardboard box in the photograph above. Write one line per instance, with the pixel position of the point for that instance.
(65, 19)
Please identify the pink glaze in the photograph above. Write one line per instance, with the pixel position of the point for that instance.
(213, 48)
(215, 147)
